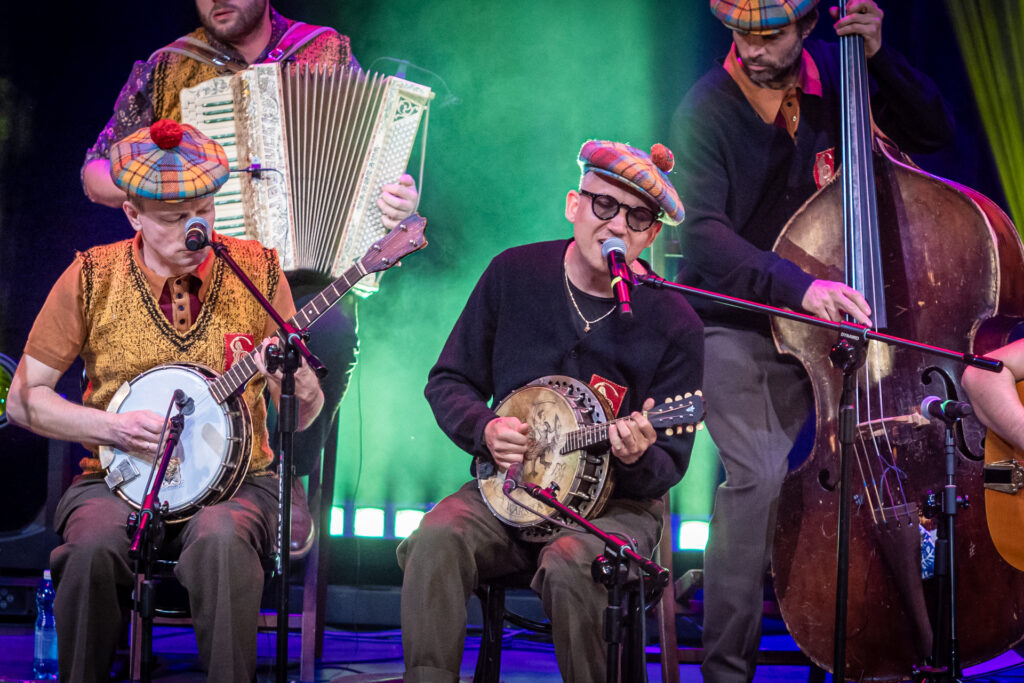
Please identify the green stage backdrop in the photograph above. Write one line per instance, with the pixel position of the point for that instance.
(520, 86)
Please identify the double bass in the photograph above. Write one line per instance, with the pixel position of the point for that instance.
(938, 263)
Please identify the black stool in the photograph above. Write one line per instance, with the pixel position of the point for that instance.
(492, 604)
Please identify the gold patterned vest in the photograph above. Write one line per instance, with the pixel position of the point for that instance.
(175, 71)
(127, 333)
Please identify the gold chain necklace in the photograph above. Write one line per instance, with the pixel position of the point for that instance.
(586, 323)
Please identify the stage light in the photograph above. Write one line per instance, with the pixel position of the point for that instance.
(7, 367)
(369, 522)
(407, 521)
(337, 521)
(693, 535)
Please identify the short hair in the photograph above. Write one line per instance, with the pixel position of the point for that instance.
(806, 23)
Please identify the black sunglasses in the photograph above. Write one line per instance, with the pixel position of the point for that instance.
(606, 207)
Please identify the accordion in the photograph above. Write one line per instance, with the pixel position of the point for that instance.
(310, 146)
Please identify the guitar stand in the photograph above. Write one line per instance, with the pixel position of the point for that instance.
(612, 570)
(945, 664)
(288, 359)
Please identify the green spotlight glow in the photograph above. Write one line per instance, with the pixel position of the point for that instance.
(693, 535)
(406, 522)
(337, 521)
(989, 35)
(369, 522)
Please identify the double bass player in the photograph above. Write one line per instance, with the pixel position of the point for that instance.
(757, 137)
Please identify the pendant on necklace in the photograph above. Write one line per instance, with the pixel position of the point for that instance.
(586, 328)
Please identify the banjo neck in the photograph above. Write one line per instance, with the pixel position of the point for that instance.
(688, 410)
(234, 380)
(588, 436)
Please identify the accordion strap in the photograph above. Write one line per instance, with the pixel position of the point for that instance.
(294, 39)
(202, 52)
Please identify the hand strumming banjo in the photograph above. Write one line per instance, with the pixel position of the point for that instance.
(212, 457)
(569, 448)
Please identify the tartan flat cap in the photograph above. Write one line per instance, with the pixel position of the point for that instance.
(760, 17)
(646, 173)
(168, 161)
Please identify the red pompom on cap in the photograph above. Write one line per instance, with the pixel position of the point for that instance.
(166, 133)
(662, 157)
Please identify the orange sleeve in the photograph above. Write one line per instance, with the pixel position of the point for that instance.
(58, 332)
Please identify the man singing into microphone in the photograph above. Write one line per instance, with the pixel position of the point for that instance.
(126, 308)
(548, 309)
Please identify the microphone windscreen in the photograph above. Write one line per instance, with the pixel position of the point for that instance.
(613, 244)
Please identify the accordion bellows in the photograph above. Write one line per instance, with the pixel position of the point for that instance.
(319, 142)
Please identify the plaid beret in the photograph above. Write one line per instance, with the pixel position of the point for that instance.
(760, 17)
(180, 164)
(635, 168)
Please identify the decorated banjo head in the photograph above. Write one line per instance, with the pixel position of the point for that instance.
(568, 451)
(553, 406)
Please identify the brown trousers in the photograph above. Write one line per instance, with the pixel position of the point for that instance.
(460, 544)
(219, 565)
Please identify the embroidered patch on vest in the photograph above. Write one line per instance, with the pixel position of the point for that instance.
(824, 167)
(615, 394)
(235, 347)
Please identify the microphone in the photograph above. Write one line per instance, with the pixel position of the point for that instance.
(197, 233)
(947, 411)
(186, 406)
(614, 250)
(512, 481)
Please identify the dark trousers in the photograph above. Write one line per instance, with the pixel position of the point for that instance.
(757, 402)
(219, 565)
(460, 544)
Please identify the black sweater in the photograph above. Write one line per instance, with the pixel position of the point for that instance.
(741, 179)
(518, 325)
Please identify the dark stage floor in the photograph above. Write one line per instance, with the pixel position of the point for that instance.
(377, 656)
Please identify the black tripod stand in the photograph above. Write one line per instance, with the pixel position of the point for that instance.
(612, 570)
(945, 665)
(287, 356)
(146, 529)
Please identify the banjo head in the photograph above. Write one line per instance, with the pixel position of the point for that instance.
(211, 459)
(553, 406)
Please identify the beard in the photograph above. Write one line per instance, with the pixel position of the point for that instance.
(249, 14)
(776, 74)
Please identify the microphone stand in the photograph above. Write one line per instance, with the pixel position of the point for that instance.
(288, 360)
(146, 529)
(946, 647)
(847, 355)
(612, 570)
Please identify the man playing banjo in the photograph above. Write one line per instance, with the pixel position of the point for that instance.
(126, 308)
(540, 310)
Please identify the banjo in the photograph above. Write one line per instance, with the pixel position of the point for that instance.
(212, 457)
(568, 448)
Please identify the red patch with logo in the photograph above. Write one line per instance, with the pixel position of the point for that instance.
(614, 393)
(824, 167)
(235, 347)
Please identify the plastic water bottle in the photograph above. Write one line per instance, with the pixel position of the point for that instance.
(44, 664)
